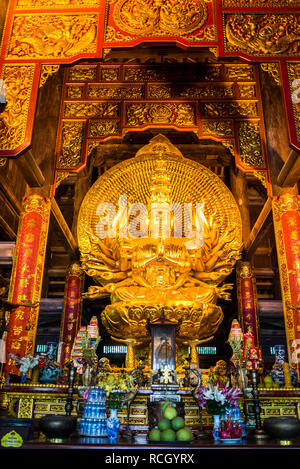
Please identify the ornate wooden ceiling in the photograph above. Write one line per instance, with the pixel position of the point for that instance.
(40, 35)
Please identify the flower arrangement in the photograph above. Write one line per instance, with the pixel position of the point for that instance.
(217, 399)
(88, 356)
(88, 349)
(25, 363)
(115, 386)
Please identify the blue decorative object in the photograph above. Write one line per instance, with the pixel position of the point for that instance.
(276, 373)
(23, 377)
(94, 421)
(51, 373)
(217, 426)
(113, 425)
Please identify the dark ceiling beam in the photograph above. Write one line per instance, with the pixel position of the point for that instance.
(63, 226)
(30, 169)
(259, 230)
(290, 171)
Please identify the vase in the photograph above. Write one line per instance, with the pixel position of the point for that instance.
(217, 426)
(277, 373)
(113, 425)
(87, 376)
(23, 377)
(35, 375)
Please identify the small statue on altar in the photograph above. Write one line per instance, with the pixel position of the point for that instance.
(51, 371)
(220, 373)
(251, 354)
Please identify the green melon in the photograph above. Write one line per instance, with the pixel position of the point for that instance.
(164, 424)
(170, 413)
(177, 423)
(168, 435)
(184, 434)
(154, 435)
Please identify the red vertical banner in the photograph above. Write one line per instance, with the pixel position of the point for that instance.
(26, 278)
(286, 216)
(247, 300)
(71, 312)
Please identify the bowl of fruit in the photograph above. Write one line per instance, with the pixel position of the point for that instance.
(170, 428)
(230, 432)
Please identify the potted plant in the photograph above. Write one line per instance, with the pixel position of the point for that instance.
(217, 399)
(116, 386)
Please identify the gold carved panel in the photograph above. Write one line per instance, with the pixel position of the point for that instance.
(13, 121)
(293, 69)
(179, 114)
(152, 18)
(52, 36)
(273, 34)
(40, 4)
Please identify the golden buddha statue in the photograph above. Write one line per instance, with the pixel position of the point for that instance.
(149, 262)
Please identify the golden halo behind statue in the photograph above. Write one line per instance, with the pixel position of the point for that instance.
(188, 181)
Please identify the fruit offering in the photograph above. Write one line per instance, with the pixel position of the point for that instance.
(268, 383)
(230, 429)
(171, 427)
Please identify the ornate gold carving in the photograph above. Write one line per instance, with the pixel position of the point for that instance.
(46, 71)
(70, 155)
(239, 72)
(276, 34)
(250, 143)
(159, 91)
(18, 80)
(52, 36)
(101, 91)
(230, 109)
(293, 69)
(152, 17)
(110, 73)
(60, 176)
(230, 145)
(3, 161)
(25, 408)
(262, 176)
(103, 128)
(82, 73)
(207, 91)
(260, 3)
(166, 74)
(247, 90)
(39, 4)
(111, 35)
(273, 70)
(181, 114)
(90, 109)
(74, 91)
(218, 128)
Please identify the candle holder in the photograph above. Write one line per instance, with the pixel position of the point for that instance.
(69, 401)
(258, 433)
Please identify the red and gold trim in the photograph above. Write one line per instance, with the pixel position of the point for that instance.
(286, 216)
(247, 300)
(71, 311)
(26, 278)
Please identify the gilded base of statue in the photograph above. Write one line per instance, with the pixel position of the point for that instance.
(195, 321)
